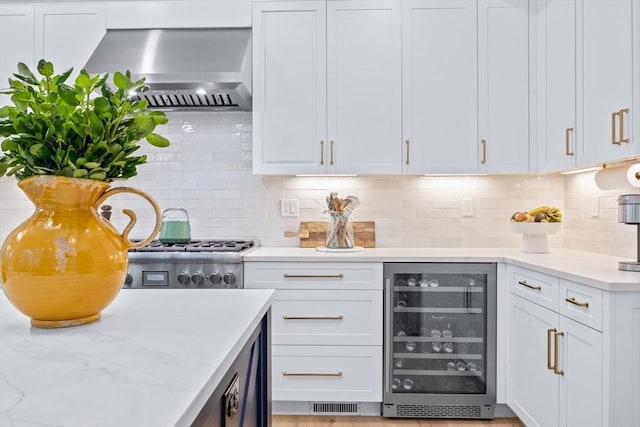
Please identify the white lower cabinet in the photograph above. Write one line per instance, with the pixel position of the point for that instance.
(556, 351)
(555, 368)
(326, 329)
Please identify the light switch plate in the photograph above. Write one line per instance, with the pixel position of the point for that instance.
(467, 207)
(289, 207)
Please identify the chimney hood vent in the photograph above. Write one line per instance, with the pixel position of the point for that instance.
(187, 69)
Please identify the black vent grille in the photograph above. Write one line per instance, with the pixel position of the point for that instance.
(335, 408)
(439, 411)
(182, 99)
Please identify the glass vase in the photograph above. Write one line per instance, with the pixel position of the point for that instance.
(339, 231)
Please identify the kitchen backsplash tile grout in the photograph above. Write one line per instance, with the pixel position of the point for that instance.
(207, 170)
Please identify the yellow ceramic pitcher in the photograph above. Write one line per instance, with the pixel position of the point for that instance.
(66, 263)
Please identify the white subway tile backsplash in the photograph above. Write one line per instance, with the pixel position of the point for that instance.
(207, 170)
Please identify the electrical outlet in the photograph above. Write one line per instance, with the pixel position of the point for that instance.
(595, 206)
(467, 207)
(289, 207)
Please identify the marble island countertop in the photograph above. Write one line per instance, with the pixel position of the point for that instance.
(590, 268)
(153, 359)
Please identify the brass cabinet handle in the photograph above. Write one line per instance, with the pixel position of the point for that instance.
(407, 144)
(621, 115)
(313, 276)
(331, 152)
(322, 152)
(312, 374)
(484, 151)
(567, 141)
(524, 283)
(549, 333)
(339, 317)
(614, 140)
(556, 369)
(573, 301)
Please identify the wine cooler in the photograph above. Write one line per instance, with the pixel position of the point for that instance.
(440, 340)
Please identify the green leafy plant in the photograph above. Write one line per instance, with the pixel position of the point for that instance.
(84, 130)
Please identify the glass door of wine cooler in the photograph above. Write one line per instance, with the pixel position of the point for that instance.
(440, 340)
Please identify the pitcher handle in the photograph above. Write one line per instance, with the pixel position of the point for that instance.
(132, 215)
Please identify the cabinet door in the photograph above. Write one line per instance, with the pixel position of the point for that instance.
(533, 393)
(581, 385)
(503, 58)
(68, 34)
(440, 110)
(16, 42)
(557, 90)
(605, 74)
(289, 82)
(364, 87)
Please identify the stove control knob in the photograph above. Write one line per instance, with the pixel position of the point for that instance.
(197, 278)
(184, 278)
(128, 280)
(215, 278)
(229, 279)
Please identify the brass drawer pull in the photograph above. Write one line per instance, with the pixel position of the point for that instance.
(567, 141)
(556, 369)
(524, 283)
(340, 317)
(549, 332)
(330, 152)
(313, 276)
(614, 140)
(621, 114)
(312, 374)
(573, 301)
(407, 159)
(484, 151)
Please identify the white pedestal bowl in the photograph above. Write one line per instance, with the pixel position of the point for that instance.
(534, 235)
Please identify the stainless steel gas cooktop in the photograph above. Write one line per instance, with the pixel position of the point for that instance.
(197, 264)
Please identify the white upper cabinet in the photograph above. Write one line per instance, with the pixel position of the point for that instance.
(440, 86)
(67, 34)
(364, 102)
(605, 74)
(400, 87)
(586, 64)
(16, 42)
(290, 95)
(503, 76)
(326, 87)
(556, 70)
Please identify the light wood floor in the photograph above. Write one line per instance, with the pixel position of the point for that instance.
(344, 421)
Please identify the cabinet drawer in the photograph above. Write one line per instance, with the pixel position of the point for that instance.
(536, 287)
(581, 303)
(335, 317)
(327, 373)
(312, 275)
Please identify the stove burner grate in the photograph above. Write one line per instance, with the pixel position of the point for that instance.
(198, 246)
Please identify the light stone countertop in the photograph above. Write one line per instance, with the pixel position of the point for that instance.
(153, 359)
(592, 269)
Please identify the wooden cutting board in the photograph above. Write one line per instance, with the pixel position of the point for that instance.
(312, 234)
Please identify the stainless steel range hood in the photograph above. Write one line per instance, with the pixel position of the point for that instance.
(204, 68)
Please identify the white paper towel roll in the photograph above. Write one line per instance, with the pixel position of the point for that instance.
(619, 178)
